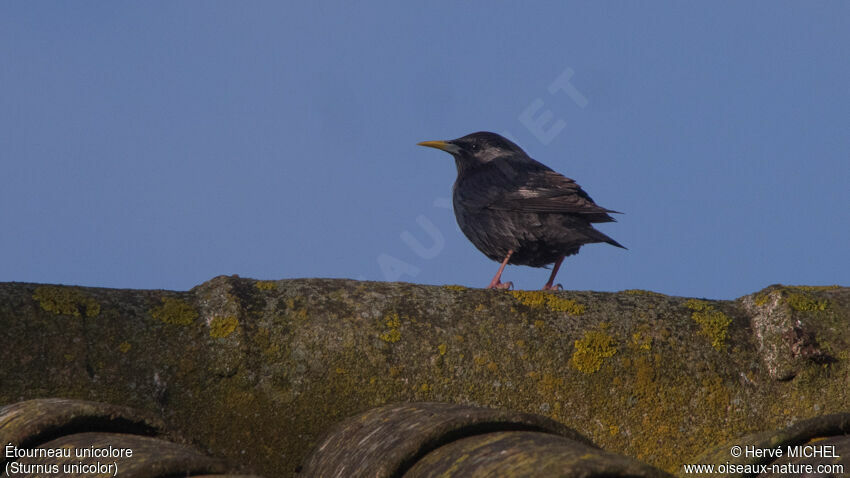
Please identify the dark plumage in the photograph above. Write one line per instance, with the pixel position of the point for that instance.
(516, 210)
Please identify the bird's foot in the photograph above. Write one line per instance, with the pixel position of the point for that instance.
(501, 285)
(553, 287)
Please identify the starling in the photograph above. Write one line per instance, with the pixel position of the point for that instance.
(516, 210)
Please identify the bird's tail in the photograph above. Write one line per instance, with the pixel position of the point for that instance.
(601, 237)
(615, 243)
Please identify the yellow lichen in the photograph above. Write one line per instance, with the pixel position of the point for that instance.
(442, 349)
(392, 320)
(696, 304)
(549, 383)
(642, 292)
(265, 285)
(761, 299)
(124, 347)
(295, 307)
(66, 301)
(538, 298)
(175, 312)
(221, 327)
(458, 288)
(804, 303)
(814, 288)
(393, 334)
(642, 341)
(798, 297)
(713, 323)
(591, 350)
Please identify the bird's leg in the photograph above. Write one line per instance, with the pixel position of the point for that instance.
(549, 285)
(497, 283)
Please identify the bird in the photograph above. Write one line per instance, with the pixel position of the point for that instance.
(517, 210)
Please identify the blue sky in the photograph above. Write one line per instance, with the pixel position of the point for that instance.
(159, 144)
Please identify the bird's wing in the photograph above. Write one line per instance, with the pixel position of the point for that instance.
(544, 190)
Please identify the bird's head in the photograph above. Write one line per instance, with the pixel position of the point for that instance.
(476, 149)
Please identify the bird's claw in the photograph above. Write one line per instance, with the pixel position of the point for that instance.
(553, 287)
(501, 286)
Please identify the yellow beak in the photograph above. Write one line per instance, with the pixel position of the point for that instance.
(435, 144)
(448, 147)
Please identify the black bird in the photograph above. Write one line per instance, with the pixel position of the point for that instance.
(516, 210)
